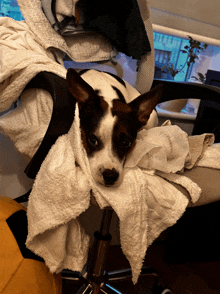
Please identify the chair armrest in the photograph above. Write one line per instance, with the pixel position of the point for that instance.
(184, 90)
(208, 180)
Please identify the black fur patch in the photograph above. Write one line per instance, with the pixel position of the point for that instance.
(125, 129)
(120, 95)
(117, 78)
(123, 139)
(91, 114)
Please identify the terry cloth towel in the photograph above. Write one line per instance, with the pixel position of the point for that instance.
(22, 57)
(210, 157)
(145, 203)
(161, 150)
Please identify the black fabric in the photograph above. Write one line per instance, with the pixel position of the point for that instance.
(216, 132)
(62, 116)
(23, 198)
(118, 20)
(17, 223)
(195, 237)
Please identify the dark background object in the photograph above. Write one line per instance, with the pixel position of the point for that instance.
(208, 117)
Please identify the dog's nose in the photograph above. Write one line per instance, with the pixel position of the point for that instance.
(110, 176)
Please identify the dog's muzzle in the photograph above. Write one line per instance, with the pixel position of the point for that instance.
(110, 176)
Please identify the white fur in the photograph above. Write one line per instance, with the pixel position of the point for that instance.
(105, 158)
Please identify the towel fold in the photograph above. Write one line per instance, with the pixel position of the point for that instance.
(145, 203)
(22, 57)
(160, 149)
(210, 157)
(198, 145)
(168, 149)
(27, 124)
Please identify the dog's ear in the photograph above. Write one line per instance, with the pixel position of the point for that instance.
(144, 104)
(78, 87)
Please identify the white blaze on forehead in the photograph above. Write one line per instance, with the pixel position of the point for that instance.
(105, 157)
(105, 129)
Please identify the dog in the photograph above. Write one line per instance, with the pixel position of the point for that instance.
(109, 125)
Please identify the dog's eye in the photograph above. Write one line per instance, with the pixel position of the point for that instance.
(125, 140)
(93, 141)
(127, 143)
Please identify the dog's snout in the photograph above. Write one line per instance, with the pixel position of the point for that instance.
(110, 176)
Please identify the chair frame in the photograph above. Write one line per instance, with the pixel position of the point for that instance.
(94, 278)
(173, 90)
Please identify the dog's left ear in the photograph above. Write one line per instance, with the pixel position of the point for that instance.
(144, 104)
(78, 87)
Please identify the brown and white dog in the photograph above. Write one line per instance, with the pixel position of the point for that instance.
(108, 124)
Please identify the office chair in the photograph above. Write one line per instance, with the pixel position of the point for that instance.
(209, 96)
(94, 278)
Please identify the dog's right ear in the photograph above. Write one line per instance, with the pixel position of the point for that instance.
(144, 104)
(78, 87)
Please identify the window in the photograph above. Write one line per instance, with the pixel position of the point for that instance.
(10, 8)
(168, 51)
(169, 58)
(162, 55)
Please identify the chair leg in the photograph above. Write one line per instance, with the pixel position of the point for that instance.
(107, 289)
(73, 276)
(95, 289)
(85, 289)
(127, 274)
(94, 279)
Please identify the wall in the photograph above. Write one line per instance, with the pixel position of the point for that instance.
(207, 12)
(196, 16)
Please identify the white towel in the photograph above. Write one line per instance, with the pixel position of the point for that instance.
(145, 203)
(22, 57)
(160, 149)
(210, 157)
(27, 124)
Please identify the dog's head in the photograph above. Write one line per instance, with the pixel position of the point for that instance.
(109, 125)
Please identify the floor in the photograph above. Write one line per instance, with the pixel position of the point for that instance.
(147, 285)
(190, 278)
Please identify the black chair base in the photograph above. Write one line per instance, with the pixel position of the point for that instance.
(103, 284)
(94, 279)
